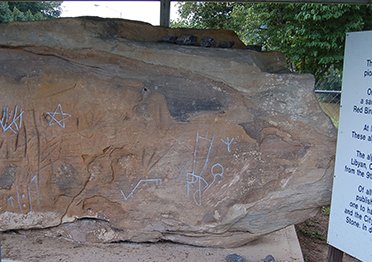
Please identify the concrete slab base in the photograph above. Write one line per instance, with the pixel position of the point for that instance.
(283, 245)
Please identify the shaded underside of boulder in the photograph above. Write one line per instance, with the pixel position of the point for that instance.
(110, 135)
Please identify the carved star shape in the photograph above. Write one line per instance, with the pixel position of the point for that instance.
(57, 117)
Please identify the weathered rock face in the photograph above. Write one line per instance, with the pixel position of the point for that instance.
(146, 141)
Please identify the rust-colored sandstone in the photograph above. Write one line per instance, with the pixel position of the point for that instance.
(108, 134)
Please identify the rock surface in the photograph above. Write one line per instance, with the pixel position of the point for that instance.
(110, 135)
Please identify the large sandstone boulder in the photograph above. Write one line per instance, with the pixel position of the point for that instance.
(108, 134)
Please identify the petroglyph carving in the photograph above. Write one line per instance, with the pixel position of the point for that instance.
(228, 142)
(24, 198)
(10, 201)
(35, 183)
(155, 181)
(217, 170)
(196, 184)
(57, 117)
(134, 115)
(11, 120)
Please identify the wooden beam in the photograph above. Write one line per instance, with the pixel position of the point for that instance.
(334, 254)
(362, 2)
(288, 1)
(164, 13)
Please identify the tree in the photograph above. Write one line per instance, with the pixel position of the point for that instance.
(28, 11)
(204, 15)
(310, 35)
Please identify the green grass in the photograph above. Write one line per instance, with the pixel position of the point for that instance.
(325, 211)
(315, 234)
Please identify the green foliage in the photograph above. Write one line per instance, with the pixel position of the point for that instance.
(312, 229)
(205, 15)
(315, 234)
(28, 11)
(325, 211)
(310, 35)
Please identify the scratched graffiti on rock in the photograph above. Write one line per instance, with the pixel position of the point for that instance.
(57, 117)
(24, 199)
(228, 142)
(11, 120)
(197, 180)
(155, 181)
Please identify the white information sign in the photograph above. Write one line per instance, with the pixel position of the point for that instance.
(350, 226)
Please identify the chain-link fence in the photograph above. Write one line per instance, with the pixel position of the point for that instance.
(329, 101)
